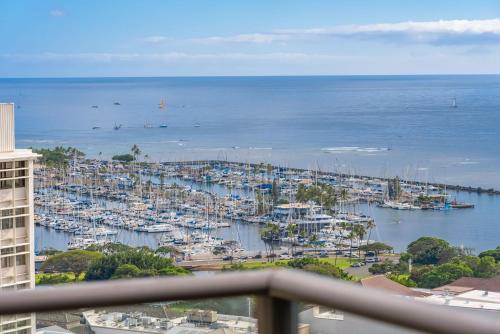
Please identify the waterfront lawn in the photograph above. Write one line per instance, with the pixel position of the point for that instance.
(57, 278)
(342, 263)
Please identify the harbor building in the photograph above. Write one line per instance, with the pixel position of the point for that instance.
(17, 266)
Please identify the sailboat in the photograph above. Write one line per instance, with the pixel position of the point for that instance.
(454, 103)
(117, 127)
(162, 104)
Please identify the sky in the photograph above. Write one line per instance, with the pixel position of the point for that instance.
(94, 38)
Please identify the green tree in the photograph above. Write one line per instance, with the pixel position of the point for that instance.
(494, 253)
(428, 250)
(382, 268)
(487, 267)
(377, 247)
(144, 259)
(123, 158)
(76, 261)
(126, 271)
(110, 248)
(444, 274)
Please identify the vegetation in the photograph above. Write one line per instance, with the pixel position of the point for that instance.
(49, 251)
(110, 248)
(376, 247)
(75, 261)
(57, 278)
(319, 266)
(125, 158)
(110, 261)
(435, 263)
(494, 253)
(59, 156)
(430, 250)
(132, 263)
(321, 194)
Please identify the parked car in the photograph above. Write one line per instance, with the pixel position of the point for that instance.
(258, 256)
(357, 264)
(285, 257)
(371, 259)
(323, 253)
(227, 258)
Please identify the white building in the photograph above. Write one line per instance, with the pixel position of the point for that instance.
(17, 267)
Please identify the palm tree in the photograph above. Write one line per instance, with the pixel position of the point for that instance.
(359, 232)
(351, 236)
(162, 180)
(292, 230)
(369, 225)
(135, 151)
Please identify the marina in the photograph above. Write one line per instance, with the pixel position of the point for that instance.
(205, 208)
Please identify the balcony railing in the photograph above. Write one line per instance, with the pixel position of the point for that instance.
(277, 291)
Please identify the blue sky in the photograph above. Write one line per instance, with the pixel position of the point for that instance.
(260, 37)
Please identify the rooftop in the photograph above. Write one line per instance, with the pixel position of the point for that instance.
(21, 154)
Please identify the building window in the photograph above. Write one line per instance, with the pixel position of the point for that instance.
(9, 326)
(20, 183)
(20, 249)
(20, 164)
(5, 184)
(7, 262)
(5, 165)
(6, 223)
(6, 212)
(21, 260)
(8, 250)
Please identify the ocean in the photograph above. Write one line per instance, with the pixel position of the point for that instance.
(373, 125)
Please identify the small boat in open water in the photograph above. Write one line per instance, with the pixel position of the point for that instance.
(163, 126)
(162, 104)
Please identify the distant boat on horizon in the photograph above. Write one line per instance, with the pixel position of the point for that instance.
(148, 125)
(116, 103)
(454, 103)
(117, 127)
(197, 125)
(162, 104)
(96, 127)
(163, 126)
(95, 106)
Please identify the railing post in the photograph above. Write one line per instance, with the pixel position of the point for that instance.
(276, 315)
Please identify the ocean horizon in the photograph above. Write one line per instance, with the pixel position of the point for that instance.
(377, 125)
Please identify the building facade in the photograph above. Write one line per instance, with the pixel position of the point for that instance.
(17, 266)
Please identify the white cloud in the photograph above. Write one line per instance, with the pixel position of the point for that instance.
(257, 38)
(155, 39)
(440, 32)
(57, 13)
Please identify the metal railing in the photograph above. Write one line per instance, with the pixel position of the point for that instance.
(277, 293)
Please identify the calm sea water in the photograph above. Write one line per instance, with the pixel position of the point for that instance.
(380, 125)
